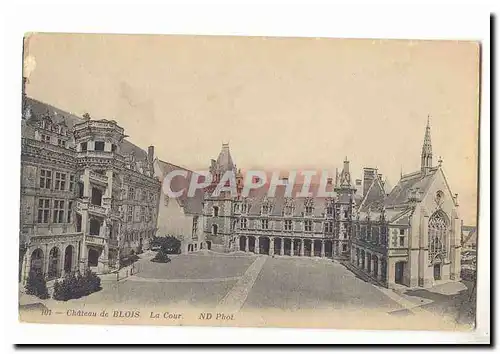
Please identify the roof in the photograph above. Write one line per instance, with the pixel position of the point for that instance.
(375, 195)
(416, 180)
(191, 205)
(279, 199)
(225, 161)
(39, 109)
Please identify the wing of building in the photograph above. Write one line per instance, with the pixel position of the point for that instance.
(180, 217)
(409, 235)
(89, 197)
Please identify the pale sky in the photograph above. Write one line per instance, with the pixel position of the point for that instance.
(279, 102)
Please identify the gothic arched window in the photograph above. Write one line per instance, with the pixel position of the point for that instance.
(438, 233)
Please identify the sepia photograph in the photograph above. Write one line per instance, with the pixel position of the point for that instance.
(249, 181)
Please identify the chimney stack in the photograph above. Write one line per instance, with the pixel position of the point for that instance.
(368, 177)
(151, 153)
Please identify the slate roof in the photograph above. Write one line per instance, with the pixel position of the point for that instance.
(191, 205)
(258, 197)
(399, 194)
(39, 109)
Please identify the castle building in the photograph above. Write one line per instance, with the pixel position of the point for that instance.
(88, 196)
(285, 223)
(180, 217)
(408, 235)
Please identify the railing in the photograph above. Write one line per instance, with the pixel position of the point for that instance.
(25, 142)
(49, 236)
(96, 240)
(97, 209)
(98, 177)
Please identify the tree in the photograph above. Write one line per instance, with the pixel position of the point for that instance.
(171, 244)
(75, 286)
(162, 256)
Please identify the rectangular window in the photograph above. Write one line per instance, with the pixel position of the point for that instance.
(58, 212)
(401, 241)
(143, 214)
(308, 225)
(99, 145)
(131, 193)
(264, 224)
(329, 211)
(328, 227)
(45, 179)
(288, 225)
(43, 211)
(243, 224)
(60, 181)
(215, 211)
(83, 146)
(70, 212)
(46, 138)
(130, 213)
(71, 183)
(61, 143)
(401, 231)
(195, 225)
(309, 210)
(137, 216)
(113, 147)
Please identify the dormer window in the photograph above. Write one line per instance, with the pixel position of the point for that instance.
(99, 146)
(46, 138)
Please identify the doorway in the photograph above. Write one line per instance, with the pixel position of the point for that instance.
(400, 269)
(437, 271)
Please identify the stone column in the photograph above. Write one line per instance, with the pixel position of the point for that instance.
(379, 269)
(247, 248)
(271, 246)
(291, 246)
(302, 247)
(282, 249)
(312, 248)
(257, 250)
(322, 248)
(366, 262)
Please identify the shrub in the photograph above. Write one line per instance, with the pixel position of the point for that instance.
(36, 285)
(161, 256)
(75, 286)
(171, 244)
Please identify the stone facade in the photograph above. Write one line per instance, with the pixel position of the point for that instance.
(408, 235)
(77, 178)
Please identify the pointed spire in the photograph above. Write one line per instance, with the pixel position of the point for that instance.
(426, 156)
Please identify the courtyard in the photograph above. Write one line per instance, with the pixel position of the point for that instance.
(246, 282)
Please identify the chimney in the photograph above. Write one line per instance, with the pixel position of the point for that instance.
(368, 177)
(329, 181)
(151, 153)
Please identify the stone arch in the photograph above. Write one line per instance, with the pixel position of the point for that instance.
(36, 263)
(328, 248)
(264, 245)
(277, 245)
(68, 258)
(93, 257)
(307, 247)
(317, 248)
(54, 260)
(287, 246)
(251, 244)
(243, 241)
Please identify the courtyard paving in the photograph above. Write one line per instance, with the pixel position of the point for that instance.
(245, 282)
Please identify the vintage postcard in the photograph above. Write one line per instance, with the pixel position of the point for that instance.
(249, 181)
